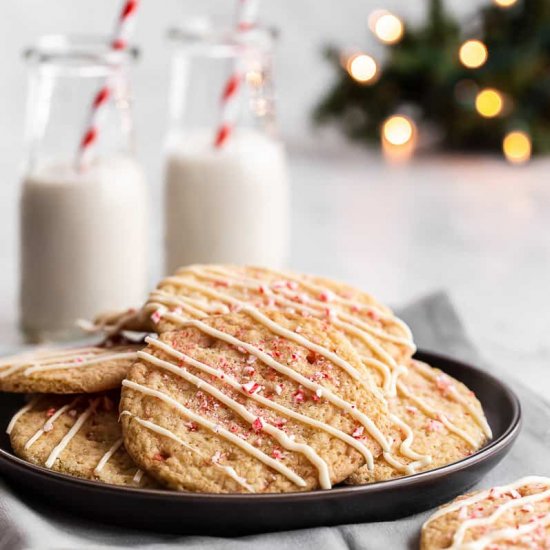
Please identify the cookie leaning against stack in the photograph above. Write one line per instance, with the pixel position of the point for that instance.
(252, 402)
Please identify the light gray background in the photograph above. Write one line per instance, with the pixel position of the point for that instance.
(473, 226)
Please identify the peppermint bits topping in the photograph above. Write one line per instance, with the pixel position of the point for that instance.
(252, 387)
(298, 396)
(258, 425)
(326, 296)
(434, 426)
(358, 432)
(157, 315)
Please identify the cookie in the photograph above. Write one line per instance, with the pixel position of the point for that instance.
(67, 370)
(383, 341)
(75, 435)
(441, 422)
(512, 516)
(251, 402)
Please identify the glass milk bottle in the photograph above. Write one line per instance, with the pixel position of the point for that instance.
(83, 211)
(226, 183)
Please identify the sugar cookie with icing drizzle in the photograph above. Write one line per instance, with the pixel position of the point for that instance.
(252, 401)
(441, 416)
(67, 370)
(511, 516)
(76, 435)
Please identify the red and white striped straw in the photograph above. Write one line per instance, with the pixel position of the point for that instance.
(123, 30)
(247, 15)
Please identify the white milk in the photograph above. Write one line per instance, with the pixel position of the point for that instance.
(229, 205)
(83, 244)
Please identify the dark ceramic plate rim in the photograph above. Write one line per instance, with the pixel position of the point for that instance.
(506, 438)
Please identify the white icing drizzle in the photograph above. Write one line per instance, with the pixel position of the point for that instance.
(45, 354)
(432, 413)
(107, 456)
(18, 362)
(26, 408)
(230, 471)
(50, 422)
(196, 306)
(405, 448)
(138, 476)
(281, 331)
(314, 303)
(243, 412)
(482, 495)
(378, 350)
(501, 534)
(58, 449)
(229, 380)
(81, 364)
(219, 430)
(159, 297)
(478, 416)
(313, 386)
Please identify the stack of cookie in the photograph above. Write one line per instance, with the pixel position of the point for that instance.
(250, 380)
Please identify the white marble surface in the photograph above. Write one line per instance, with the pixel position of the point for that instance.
(474, 227)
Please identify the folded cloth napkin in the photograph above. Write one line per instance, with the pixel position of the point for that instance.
(436, 327)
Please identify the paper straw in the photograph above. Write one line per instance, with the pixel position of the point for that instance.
(230, 100)
(123, 29)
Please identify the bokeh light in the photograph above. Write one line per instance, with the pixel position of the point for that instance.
(489, 103)
(398, 130)
(388, 28)
(362, 68)
(505, 3)
(517, 147)
(473, 54)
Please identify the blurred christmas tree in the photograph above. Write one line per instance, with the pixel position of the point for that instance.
(481, 86)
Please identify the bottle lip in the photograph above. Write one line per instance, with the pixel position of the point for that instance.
(210, 33)
(73, 50)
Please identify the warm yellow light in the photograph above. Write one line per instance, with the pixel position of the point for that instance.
(388, 28)
(398, 130)
(374, 17)
(505, 3)
(362, 67)
(473, 54)
(517, 147)
(489, 103)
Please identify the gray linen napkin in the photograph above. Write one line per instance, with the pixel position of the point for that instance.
(436, 327)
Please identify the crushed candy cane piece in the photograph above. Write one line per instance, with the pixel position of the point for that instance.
(277, 454)
(326, 296)
(252, 387)
(358, 432)
(298, 396)
(434, 426)
(216, 457)
(258, 425)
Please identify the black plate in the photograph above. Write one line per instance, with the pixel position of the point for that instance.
(213, 514)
